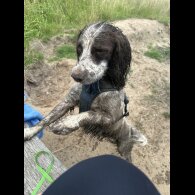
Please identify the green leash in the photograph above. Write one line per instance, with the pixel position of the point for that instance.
(44, 173)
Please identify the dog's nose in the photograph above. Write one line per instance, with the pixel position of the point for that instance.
(76, 77)
(79, 73)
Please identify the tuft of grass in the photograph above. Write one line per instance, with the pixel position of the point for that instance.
(158, 53)
(166, 115)
(32, 57)
(65, 51)
(73, 37)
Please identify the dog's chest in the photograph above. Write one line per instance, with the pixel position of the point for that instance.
(90, 92)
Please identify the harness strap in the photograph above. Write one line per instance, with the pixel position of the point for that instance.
(126, 101)
(90, 92)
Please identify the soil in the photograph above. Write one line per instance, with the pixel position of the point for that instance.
(147, 88)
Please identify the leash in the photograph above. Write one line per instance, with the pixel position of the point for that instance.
(44, 172)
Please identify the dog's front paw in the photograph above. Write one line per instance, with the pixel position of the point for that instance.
(65, 126)
(29, 132)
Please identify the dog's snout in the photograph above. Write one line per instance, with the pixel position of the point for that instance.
(76, 77)
(78, 74)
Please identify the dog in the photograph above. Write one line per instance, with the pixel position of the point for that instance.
(103, 63)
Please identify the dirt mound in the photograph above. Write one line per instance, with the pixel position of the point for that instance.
(148, 91)
(46, 83)
(47, 48)
(143, 32)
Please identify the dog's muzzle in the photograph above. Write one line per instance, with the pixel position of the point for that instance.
(79, 73)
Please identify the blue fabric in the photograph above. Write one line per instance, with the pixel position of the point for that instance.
(32, 117)
(90, 92)
(105, 175)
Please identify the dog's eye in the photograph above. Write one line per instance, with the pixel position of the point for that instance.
(100, 51)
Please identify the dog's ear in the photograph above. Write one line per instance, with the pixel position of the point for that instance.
(119, 64)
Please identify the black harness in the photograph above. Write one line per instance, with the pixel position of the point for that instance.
(90, 92)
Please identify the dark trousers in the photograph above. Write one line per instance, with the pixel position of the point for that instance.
(102, 175)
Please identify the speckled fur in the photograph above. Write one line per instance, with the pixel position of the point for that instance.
(104, 117)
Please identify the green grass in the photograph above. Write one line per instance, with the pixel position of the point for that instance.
(46, 18)
(32, 57)
(158, 53)
(73, 37)
(65, 51)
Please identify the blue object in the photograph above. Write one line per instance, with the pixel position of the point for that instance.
(90, 92)
(32, 117)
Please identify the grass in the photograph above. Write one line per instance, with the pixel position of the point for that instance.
(158, 53)
(32, 57)
(45, 18)
(73, 37)
(65, 51)
(166, 115)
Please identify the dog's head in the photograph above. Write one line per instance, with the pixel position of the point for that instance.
(102, 51)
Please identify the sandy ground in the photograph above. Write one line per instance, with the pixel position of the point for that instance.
(148, 91)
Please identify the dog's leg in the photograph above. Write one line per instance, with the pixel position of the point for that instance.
(73, 122)
(127, 137)
(125, 149)
(60, 110)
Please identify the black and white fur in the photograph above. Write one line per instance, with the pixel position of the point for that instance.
(103, 52)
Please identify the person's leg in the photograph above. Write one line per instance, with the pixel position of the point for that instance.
(102, 175)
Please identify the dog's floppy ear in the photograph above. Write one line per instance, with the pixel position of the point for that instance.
(119, 64)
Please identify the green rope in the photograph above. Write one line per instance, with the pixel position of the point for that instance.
(44, 173)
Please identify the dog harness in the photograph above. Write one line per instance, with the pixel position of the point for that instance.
(90, 92)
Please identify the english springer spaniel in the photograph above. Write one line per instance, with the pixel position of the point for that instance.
(103, 62)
